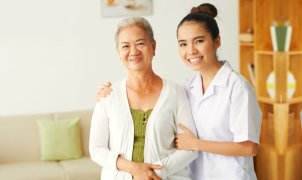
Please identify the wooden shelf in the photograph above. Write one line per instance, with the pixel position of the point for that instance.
(294, 100)
(279, 156)
(246, 43)
(273, 52)
(267, 100)
(271, 101)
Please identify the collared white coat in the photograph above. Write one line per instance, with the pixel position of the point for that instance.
(227, 112)
(112, 133)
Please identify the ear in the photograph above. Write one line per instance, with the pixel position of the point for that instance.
(217, 42)
(117, 50)
(154, 47)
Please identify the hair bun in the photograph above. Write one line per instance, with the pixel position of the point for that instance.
(206, 8)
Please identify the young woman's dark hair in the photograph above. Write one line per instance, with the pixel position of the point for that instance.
(204, 14)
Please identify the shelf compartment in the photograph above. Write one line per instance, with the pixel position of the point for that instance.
(293, 161)
(266, 162)
(264, 61)
(267, 135)
(247, 57)
(295, 66)
(280, 63)
(246, 15)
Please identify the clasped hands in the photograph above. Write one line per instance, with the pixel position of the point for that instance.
(144, 171)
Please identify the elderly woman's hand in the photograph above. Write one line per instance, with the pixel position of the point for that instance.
(103, 91)
(187, 141)
(144, 171)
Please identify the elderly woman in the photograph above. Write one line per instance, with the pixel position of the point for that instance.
(132, 130)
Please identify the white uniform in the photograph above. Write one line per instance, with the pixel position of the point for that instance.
(227, 112)
(112, 133)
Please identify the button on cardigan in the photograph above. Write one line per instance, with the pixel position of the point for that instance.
(112, 133)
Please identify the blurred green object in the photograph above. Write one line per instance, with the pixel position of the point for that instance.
(60, 139)
(281, 36)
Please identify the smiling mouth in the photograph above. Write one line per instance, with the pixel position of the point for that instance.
(195, 60)
(135, 59)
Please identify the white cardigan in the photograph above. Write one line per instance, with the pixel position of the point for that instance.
(112, 133)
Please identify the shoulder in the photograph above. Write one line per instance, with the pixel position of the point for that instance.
(175, 91)
(236, 80)
(189, 81)
(117, 89)
(173, 87)
(118, 85)
(240, 85)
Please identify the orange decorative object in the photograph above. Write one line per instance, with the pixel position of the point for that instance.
(110, 1)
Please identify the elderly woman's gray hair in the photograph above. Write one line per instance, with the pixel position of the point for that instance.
(139, 21)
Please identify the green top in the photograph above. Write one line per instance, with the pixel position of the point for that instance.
(140, 119)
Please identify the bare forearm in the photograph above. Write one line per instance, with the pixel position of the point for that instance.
(246, 148)
(124, 164)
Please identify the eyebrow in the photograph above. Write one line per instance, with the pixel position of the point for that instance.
(197, 37)
(142, 39)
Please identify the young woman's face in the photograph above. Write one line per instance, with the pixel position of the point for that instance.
(135, 49)
(196, 46)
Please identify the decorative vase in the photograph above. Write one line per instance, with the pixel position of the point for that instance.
(291, 85)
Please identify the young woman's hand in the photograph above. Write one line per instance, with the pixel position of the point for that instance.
(186, 141)
(144, 171)
(103, 91)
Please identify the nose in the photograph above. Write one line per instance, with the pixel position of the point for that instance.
(192, 49)
(134, 51)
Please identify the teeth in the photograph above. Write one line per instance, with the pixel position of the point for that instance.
(195, 60)
(135, 59)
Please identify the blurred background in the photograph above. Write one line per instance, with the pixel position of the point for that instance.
(54, 54)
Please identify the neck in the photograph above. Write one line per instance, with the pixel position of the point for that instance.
(208, 73)
(141, 80)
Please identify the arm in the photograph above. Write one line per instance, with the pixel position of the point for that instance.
(101, 154)
(188, 141)
(245, 124)
(99, 138)
(179, 159)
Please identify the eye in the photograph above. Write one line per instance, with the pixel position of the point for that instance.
(182, 44)
(125, 46)
(140, 44)
(199, 41)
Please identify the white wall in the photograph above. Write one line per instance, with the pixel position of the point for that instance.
(54, 54)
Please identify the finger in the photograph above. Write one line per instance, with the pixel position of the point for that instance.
(107, 89)
(97, 99)
(155, 177)
(156, 166)
(186, 130)
(108, 84)
(102, 86)
(179, 148)
(103, 95)
(107, 92)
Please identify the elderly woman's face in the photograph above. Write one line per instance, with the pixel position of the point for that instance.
(135, 48)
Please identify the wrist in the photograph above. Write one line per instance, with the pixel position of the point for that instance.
(131, 168)
(197, 145)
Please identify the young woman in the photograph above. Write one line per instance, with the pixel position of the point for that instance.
(224, 106)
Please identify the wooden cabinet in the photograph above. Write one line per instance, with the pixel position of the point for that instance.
(280, 152)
